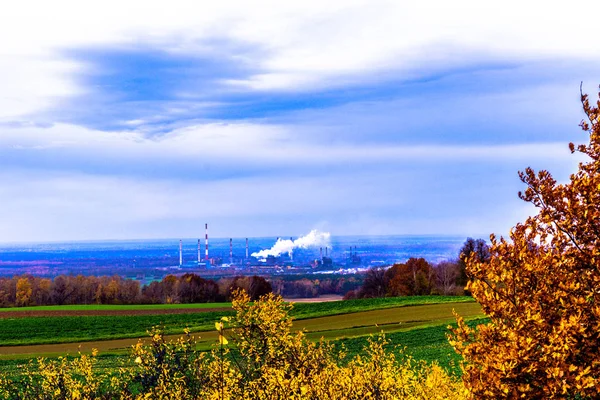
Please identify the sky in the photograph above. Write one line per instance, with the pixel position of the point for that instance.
(145, 119)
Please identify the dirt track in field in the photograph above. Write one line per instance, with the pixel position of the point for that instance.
(103, 346)
(78, 313)
(354, 324)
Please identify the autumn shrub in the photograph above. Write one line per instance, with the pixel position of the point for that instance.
(257, 356)
(62, 379)
(541, 291)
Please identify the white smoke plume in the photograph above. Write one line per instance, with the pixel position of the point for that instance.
(313, 239)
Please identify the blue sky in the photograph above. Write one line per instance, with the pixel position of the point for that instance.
(275, 118)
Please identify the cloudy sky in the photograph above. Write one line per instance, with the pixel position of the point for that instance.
(144, 119)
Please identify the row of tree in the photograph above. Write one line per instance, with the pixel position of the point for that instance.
(29, 290)
(418, 277)
(189, 288)
(307, 286)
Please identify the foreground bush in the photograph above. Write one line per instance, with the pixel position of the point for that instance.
(541, 291)
(257, 357)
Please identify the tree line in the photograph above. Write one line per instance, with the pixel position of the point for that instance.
(415, 277)
(308, 286)
(27, 290)
(418, 277)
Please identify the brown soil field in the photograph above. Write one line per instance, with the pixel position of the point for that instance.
(76, 313)
(103, 346)
(320, 299)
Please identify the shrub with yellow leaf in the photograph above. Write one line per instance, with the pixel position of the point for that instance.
(541, 290)
(257, 357)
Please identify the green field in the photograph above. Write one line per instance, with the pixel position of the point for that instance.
(313, 310)
(419, 323)
(427, 344)
(301, 310)
(112, 307)
(43, 330)
(422, 343)
(68, 329)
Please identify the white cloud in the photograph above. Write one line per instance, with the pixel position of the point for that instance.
(303, 45)
(307, 44)
(249, 144)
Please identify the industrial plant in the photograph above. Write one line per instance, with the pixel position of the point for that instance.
(303, 255)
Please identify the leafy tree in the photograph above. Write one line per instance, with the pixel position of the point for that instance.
(413, 278)
(195, 289)
(24, 292)
(541, 290)
(61, 290)
(477, 247)
(374, 284)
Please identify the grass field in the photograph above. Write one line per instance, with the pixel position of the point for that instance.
(418, 323)
(313, 310)
(60, 335)
(69, 329)
(109, 307)
(427, 344)
(43, 330)
(423, 343)
(301, 310)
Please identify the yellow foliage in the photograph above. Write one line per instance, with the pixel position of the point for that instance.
(262, 360)
(541, 290)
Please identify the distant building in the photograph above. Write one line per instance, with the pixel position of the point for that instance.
(216, 262)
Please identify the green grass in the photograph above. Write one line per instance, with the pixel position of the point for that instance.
(417, 323)
(67, 329)
(388, 320)
(428, 344)
(423, 343)
(13, 368)
(47, 330)
(300, 311)
(110, 307)
(313, 310)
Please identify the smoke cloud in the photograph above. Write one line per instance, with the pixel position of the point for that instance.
(313, 239)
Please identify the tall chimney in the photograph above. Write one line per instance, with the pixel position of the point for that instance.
(180, 253)
(321, 252)
(230, 250)
(325, 251)
(199, 259)
(246, 248)
(206, 242)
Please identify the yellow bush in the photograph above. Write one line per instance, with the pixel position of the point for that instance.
(257, 357)
(541, 291)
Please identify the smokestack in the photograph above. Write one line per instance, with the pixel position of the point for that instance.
(199, 259)
(321, 252)
(246, 248)
(180, 253)
(325, 251)
(206, 242)
(230, 250)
